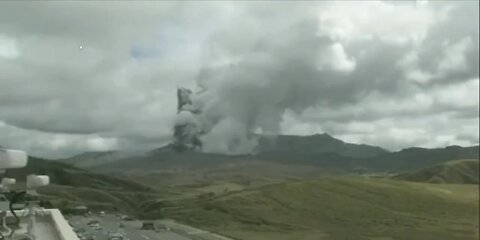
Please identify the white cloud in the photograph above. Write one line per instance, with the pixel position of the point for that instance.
(396, 23)
(8, 48)
(459, 95)
(419, 76)
(102, 144)
(335, 58)
(454, 56)
(395, 134)
(409, 63)
(426, 119)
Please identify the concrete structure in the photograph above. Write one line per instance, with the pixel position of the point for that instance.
(33, 223)
(49, 225)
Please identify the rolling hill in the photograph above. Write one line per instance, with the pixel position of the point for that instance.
(333, 208)
(71, 186)
(456, 171)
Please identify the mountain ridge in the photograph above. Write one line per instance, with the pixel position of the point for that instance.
(318, 150)
(312, 144)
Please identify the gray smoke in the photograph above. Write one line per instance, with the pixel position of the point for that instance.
(187, 128)
(249, 92)
(251, 81)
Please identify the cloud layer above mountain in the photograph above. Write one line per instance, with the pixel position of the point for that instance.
(78, 76)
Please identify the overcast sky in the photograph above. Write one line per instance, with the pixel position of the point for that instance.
(93, 76)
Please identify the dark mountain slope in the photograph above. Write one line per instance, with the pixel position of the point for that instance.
(298, 147)
(320, 150)
(315, 144)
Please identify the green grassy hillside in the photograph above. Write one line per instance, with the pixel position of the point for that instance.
(456, 171)
(334, 208)
(247, 173)
(71, 186)
(64, 174)
(64, 197)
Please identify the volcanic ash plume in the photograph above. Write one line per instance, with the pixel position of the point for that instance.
(187, 127)
(249, 91)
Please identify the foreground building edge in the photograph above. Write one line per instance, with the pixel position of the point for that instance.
(59, 224)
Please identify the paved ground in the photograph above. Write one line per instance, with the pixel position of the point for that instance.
(193, 232)
(130, 230)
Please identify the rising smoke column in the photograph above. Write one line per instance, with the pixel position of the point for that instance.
(187, 127)
(247, 92)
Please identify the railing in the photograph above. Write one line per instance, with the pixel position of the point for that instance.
(61, 225)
